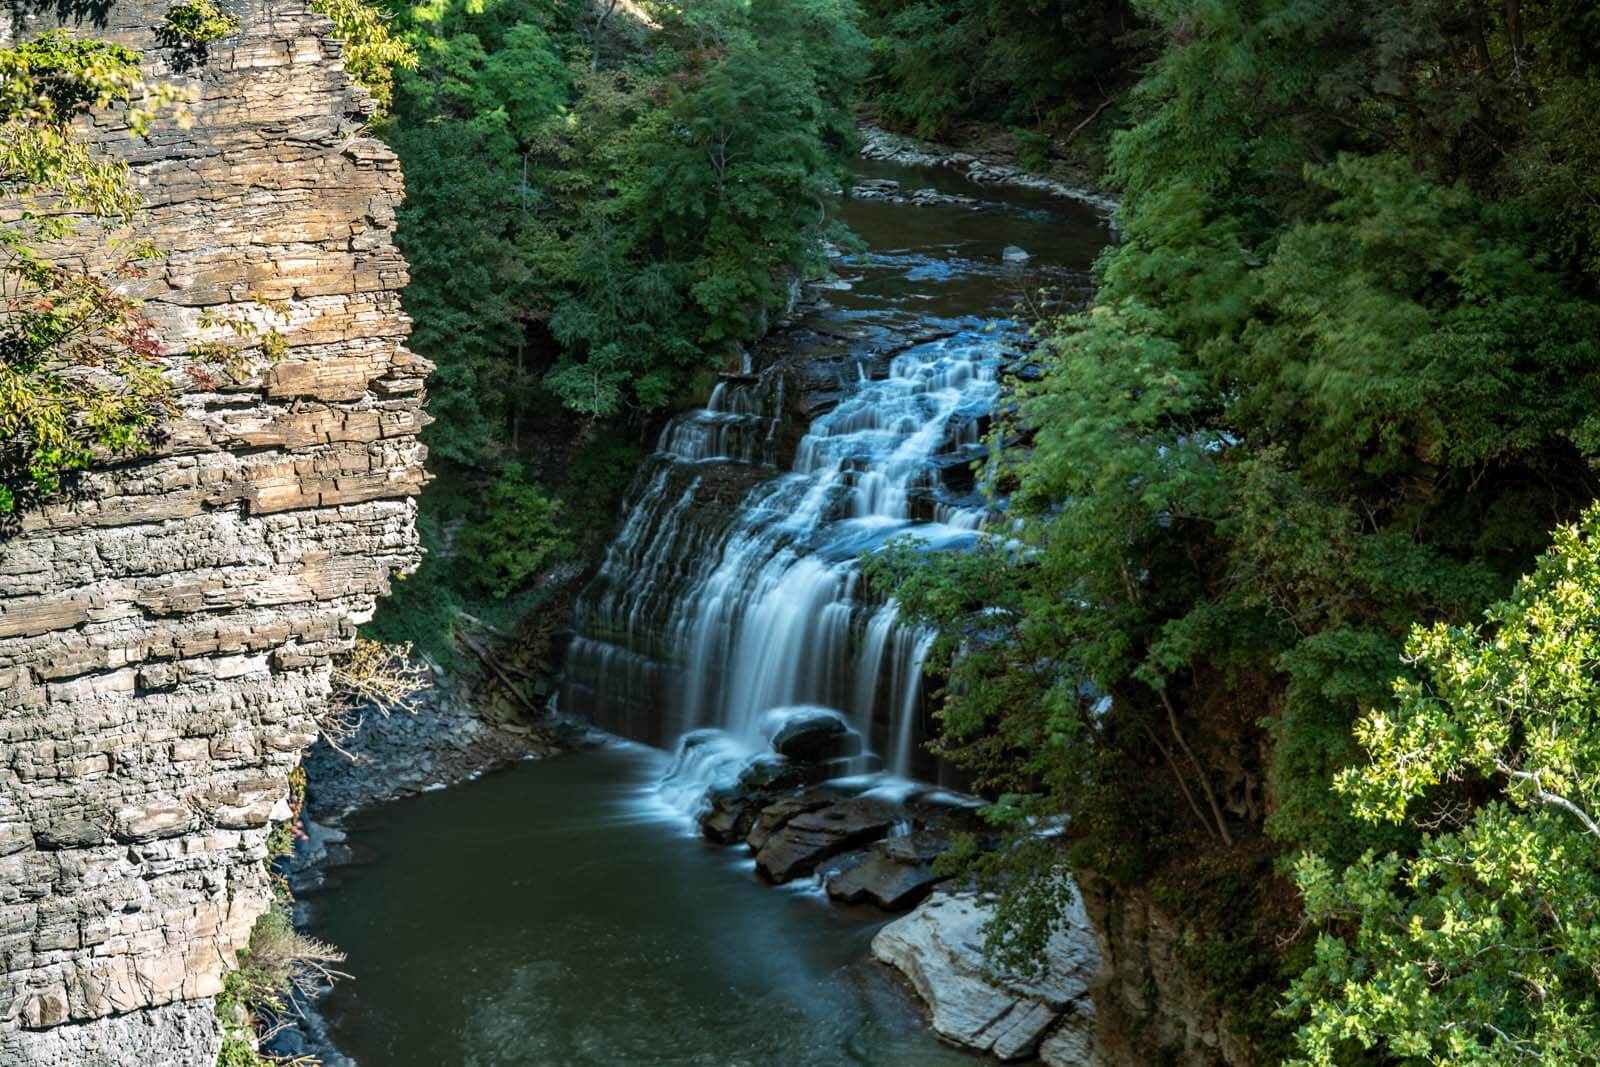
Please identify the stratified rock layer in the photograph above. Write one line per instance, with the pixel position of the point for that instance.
(939, 948)
(165, 635)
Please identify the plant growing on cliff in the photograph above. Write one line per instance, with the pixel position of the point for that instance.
(79, 374)
(372, 51)
(1481, 946)
(372, 676)
(279, 963)
(196, 23)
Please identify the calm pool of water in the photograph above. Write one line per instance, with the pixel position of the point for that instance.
(554, 914)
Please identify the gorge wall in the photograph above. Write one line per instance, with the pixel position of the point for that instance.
(166, 634)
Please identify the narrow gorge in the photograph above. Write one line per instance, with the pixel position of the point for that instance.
(799, 533)
(731, 626)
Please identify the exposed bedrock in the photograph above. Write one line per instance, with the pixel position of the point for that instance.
(166, 634)
(939, 948)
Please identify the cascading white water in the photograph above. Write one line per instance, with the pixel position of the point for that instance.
(733, 599)
(709, 616)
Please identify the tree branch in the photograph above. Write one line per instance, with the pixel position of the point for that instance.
(1552, 799)
(1205, 781)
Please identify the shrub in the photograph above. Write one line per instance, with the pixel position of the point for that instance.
(371, 52)
(197, 22)
(78, 367)
(520, 533)
(371, 675)
(278, 962)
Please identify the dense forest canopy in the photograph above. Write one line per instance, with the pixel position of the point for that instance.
(1339, 379)
(1295, 617)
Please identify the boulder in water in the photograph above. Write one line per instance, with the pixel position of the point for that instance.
(728, 815)
(939, 948)
(926, 197)
(776, 816)
(771, 771)
(1013, 254)
(808, 839)
(812, 735)
(731, 810)
(876, 189)
(894, 874)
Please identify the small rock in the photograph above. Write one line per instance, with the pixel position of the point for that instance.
(895, 874)
(876, 189)
(776, 815)
(1013, 254)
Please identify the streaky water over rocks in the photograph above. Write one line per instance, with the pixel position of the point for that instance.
(733, 594)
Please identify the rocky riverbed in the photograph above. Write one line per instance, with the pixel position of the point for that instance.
(878, 143)
(864, 842)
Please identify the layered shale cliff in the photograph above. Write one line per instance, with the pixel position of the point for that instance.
(165, 635)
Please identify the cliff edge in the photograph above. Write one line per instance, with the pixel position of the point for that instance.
(166, 633)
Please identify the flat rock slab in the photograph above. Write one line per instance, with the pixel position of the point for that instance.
(939, 948)
(807, 839)
(776, 816)
(894, 874)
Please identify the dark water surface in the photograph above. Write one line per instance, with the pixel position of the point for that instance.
(555, 913)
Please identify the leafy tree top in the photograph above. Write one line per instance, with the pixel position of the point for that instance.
(1482, 947)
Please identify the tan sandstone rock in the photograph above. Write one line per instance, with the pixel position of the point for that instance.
(165, 635)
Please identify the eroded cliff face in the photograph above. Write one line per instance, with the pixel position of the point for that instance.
(1150, 1008)
(165, 636)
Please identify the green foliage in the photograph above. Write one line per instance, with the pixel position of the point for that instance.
(937, 62)
(372, 52)
(602, 233)
(1340, 376)
(45, 84)
(278, 960)
(596, 216)
(423, 609)
(79, 375)
(280, 842)
(1482, 945)
(690, 190)
(197, 22)
(521, 532)
(574, 517)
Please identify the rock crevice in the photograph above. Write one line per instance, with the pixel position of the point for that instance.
(166, 633)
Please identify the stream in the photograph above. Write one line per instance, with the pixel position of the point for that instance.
(565, 911)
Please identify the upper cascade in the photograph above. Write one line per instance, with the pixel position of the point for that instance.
(734, 592)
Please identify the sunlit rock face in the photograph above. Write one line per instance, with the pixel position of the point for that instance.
(165, 634)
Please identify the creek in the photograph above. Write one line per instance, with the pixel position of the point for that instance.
(564, 911)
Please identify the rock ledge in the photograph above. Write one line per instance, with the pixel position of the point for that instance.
(939, 948)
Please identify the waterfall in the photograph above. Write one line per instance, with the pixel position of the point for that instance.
(734, 588)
